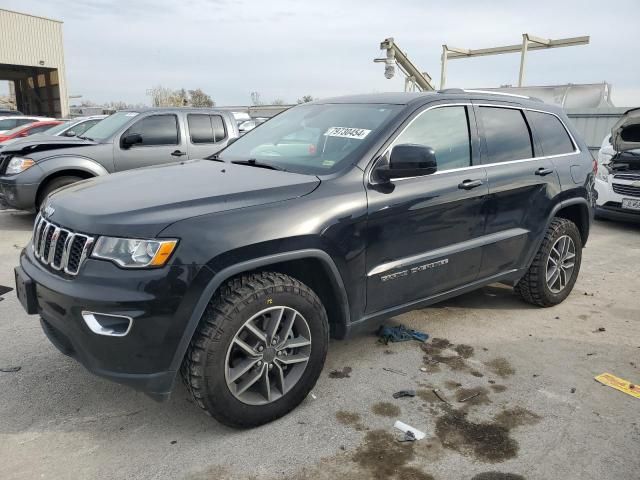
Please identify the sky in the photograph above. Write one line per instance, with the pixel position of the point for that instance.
(115, 49)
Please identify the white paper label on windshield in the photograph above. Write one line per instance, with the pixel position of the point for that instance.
(348, 132)
(131, 114)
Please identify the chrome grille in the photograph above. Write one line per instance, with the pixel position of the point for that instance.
(627, 176)
(629, 190)
(59, 248)
(4, 162)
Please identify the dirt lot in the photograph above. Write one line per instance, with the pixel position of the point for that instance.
(538, 414)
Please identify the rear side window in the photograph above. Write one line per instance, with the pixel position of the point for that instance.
(551, 133)
(157, 130)
(506, 134)
(205, 128)
(7, 124)
(446, 130)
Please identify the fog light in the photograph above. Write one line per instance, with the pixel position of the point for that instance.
(107, 324)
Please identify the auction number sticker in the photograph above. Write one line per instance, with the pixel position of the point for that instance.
(348, 132)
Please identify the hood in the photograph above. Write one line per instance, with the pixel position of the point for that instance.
(38, 143)
(142, 202)
(625, 134)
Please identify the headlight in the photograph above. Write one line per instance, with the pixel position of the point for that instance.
(19, 164)
(134, 253)
(603, 172)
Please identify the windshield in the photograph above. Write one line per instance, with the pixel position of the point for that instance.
(15, 130)
(57, 129)
(313, 139)
(110, 125)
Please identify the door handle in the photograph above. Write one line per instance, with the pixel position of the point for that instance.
(178, 153)
(469, 184)
(543, 171)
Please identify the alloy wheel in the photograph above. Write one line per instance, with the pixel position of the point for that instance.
(560, 264)
(268, 355)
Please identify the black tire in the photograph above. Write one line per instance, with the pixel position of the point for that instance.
(54, 184)
(203, 368)
(533, 286)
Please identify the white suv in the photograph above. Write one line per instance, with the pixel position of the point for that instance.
(617, 180)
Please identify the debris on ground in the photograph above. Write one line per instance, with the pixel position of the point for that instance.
(408, 437)
(403, 427)
(400, 333)
(344, 373)
(393, 370)
(573, 390)
(600, 329)
(437, 393)
(404, 393)
(619, 384)
(10, 369)
(469, 397)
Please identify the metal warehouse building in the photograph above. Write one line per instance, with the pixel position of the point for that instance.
(32, 57)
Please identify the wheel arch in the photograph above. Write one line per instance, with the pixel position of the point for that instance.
(577, 211)
(314, 267)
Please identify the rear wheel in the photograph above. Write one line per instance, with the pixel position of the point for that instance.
(555, 268)
(258, 351)
(54, 184)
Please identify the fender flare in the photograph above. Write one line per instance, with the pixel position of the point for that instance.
(559, 206)
(223, 275)
(60, 163)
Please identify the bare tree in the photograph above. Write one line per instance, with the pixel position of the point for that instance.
(161, 96)
(306, 99)
(255, 99)
(200, 99)
(277, 101)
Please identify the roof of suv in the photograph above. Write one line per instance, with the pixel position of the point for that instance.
(406, 98)
(172, 109)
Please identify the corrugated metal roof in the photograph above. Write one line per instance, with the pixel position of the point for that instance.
(28, 40)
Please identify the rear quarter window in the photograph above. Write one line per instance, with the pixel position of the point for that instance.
(551, 133)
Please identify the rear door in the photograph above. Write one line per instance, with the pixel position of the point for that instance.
(207, 134)
(423, 231)
(162, 142)
(522, 185)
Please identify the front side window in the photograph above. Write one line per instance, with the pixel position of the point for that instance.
(109, 126)
(506, 134)
(552, 135)
(446, 130)
(205, 128)
(314, 139)
(156, 130)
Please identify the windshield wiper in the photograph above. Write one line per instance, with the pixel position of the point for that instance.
(252, 162)
(215, 157)
(85, 138)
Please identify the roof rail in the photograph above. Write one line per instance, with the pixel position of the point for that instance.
(488, 92)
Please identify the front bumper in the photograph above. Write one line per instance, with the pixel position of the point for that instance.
(16, 194)
(609, 203)
(158, 300)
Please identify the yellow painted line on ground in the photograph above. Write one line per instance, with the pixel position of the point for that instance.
(619, 384)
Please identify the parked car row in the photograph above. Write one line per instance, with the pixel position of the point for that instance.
(31, 168)
(9, 122)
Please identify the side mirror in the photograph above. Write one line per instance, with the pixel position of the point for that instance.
(408, 160)
(69, 133)
(131, 139)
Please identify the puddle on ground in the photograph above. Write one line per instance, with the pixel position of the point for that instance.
(500, 366)
(344, 373)
(487, 441)
(350, 418)
(385, 409)
(465, 351)
(385, 458)
(497, 476)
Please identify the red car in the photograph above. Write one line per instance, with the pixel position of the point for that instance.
(28, 129)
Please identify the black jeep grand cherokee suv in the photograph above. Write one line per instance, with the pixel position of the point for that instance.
(236, 269)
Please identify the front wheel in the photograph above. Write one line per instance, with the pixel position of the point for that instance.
(259, 349)
(554, 270)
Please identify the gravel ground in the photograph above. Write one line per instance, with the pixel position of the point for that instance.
(535, 411)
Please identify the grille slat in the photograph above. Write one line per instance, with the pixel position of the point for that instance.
(59, 248)
(630, 190)
(627, 176)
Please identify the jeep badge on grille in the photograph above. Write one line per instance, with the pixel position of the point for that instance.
(48, 211)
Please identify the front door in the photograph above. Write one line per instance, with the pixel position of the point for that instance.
(522, 183)
(162, 142)
(423, 231)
